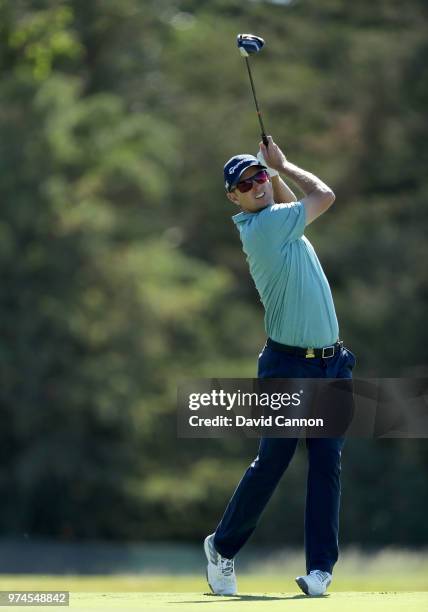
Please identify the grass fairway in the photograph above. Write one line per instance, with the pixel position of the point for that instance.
(257, 602)
(257, 593)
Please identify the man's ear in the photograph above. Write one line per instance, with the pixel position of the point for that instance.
(232, 197)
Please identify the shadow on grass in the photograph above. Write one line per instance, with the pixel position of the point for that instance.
(250, 598)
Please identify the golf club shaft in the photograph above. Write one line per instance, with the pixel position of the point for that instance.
(264, 137)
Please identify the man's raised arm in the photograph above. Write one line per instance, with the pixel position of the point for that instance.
(318, 196)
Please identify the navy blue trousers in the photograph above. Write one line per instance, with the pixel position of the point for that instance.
(263, 475)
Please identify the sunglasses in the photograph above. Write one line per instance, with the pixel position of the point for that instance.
(261, 177)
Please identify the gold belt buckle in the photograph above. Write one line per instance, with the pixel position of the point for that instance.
(310, 353)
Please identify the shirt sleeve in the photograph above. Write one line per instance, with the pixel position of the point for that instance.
(282, 223)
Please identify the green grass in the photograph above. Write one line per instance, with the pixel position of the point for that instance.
(196, 584)
(258, 602)
(258, 593)
(255, 601)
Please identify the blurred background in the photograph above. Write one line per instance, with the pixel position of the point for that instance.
(122, 274)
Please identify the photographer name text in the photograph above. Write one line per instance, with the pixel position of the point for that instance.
(264, 421)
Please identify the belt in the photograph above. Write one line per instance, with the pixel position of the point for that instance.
(310, 352)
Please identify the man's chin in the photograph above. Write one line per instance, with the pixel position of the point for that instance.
(262, 203)
(256, 209)
(263, 206)
(256, 205)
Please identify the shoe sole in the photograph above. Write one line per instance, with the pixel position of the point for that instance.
(206, 551)
(302, 584)
(206, 574)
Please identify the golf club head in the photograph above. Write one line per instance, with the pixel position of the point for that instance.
(249, 44)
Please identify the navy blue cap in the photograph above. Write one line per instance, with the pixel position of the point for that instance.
(234, 168)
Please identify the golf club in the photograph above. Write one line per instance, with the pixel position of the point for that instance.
(247, 45)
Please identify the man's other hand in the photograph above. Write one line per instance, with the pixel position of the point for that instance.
(273, 155)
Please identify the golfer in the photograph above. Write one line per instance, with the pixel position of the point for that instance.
(303, 332)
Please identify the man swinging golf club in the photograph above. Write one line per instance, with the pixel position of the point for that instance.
(302, 331)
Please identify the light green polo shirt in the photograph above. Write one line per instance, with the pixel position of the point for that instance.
(293, 288)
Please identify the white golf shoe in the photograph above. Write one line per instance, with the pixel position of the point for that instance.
(315, 583)
(220, 571)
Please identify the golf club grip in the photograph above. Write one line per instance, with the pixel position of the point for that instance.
(265, 139)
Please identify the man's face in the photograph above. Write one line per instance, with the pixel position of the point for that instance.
(258, 197)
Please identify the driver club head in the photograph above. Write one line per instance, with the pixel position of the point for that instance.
(249, 44)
